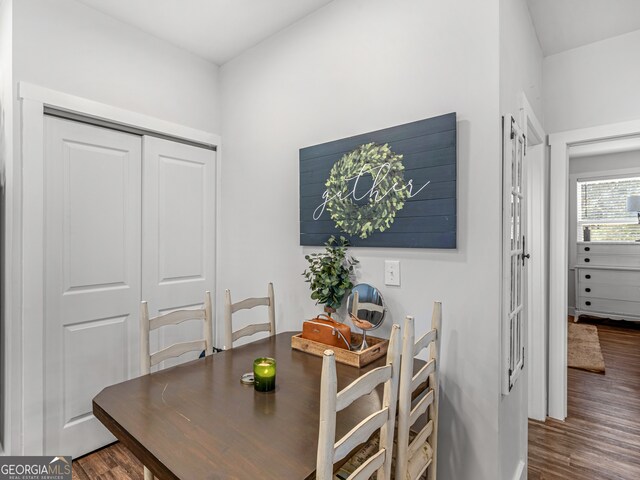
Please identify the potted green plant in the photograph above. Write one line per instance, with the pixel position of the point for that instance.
(330, 274)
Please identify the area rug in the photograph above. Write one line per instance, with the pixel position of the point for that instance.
(584, 351)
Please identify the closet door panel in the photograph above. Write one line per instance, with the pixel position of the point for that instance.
(178, 237)
(92, 276)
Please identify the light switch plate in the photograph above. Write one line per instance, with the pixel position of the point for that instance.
(392, 272)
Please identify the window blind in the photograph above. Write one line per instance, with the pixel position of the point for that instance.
(602, 208)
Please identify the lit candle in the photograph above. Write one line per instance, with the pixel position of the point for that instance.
(264, 372)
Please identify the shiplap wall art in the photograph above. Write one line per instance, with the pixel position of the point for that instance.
(390, 188)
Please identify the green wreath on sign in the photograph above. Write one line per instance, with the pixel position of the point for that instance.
(386, 197)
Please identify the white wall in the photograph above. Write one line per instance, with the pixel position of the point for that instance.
(6, 151)
(352, 67)
(596, 84)
(520, 59)
(623, 163)
(67, 46)
(520, 72)
(64, 45)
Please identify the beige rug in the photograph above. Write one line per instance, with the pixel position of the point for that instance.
(584, 348)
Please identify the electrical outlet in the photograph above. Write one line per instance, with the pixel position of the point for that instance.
(392, 272)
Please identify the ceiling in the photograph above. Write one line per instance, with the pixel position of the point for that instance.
(216, 30)
(219, 30)
(565, 24)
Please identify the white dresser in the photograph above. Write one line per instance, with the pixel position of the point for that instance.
(608, 280)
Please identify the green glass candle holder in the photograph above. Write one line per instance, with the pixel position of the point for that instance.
(264, 372)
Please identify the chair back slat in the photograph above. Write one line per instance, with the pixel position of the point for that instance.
(423, 374)
(147, 324)
(250, 330)
(176, 350)
(419, 440)
(175, 318)
(413, 459)
(248, 303)
(383, 420)
(421, 407)
(359, 434)
(364, 385)
(369, 467)
(425, 341)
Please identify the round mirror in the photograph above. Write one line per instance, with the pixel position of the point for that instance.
(366, 309)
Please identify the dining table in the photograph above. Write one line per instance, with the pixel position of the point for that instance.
(197, 421)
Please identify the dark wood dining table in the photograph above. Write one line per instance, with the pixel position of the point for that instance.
(196, 421)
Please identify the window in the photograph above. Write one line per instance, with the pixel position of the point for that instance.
(602, 208)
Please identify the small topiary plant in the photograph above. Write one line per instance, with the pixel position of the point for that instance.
(330, 274)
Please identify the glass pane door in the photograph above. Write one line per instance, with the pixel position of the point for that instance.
(513, 253)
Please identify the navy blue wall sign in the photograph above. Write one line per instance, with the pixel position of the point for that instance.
(390, 188)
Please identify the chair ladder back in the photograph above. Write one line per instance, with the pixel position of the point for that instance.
(331, 402)
(412, 460)
(248, 303)
(147, 324)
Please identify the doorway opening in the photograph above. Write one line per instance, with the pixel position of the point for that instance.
(603, 139)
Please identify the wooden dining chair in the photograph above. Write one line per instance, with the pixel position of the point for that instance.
(248, 303)
(416, 452)
(331, 451)
(148, 360)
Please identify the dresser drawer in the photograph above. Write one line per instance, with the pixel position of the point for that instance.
(620, 307)
(591, 290)
(610, 277)
(597, 248)
(599, 259)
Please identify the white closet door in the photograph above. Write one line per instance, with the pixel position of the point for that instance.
(178, 236)
(92, 279)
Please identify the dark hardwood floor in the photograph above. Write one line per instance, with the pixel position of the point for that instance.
(114, 462)
(600, 440)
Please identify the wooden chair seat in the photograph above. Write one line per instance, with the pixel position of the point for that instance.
(421, 457)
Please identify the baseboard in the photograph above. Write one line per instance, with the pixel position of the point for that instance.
(521, 472)
(571, 311)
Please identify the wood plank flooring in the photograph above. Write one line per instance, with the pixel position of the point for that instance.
(600, 440)
(114, 462)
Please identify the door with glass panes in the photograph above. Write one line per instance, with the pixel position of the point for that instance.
(514, 254)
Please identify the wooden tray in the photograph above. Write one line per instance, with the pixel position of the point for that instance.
(377, 348)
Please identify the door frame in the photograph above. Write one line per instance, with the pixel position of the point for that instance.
(559, 248)
(536, 165)
(25, 261)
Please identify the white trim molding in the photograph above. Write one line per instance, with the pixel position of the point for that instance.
(559, 249)
(536, 165)
(91, 108)
(27, 259)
